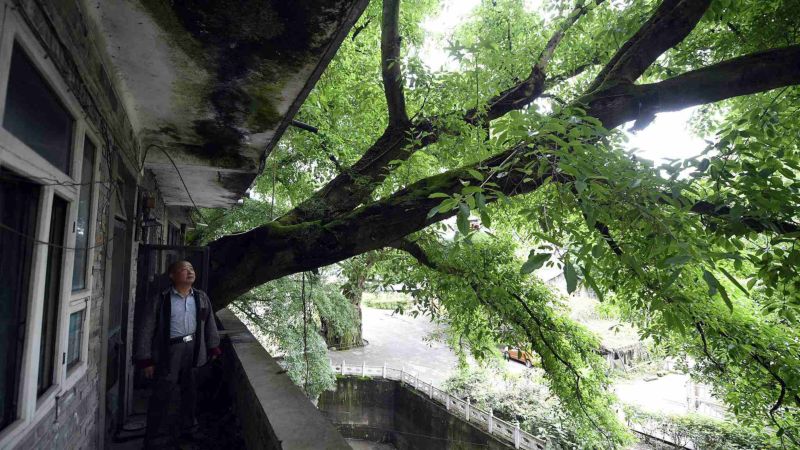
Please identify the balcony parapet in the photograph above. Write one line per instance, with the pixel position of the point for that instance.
(274, 413)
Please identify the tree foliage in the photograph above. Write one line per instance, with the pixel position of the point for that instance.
(285, 315)
(523, 132)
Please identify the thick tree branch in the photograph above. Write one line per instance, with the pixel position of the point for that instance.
(671, 22)
(759, 225)
(748, 74)
(279, 249)
(390, 64)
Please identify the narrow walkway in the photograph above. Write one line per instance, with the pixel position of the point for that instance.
(214, 413)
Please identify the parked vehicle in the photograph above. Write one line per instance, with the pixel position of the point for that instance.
(516, 354)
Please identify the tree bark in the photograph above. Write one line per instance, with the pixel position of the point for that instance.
(357, 273)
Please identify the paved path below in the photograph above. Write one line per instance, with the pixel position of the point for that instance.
(402, 341)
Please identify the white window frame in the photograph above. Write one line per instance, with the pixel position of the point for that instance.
(17, 156)
(93, 210)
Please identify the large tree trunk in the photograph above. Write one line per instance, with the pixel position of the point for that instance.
(357, 271)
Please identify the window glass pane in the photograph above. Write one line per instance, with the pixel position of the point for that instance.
(35, 115)
(52, 294)
(18, 204)
(84, 222)
(75, 338)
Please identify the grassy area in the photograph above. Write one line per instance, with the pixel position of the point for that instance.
(386, 300)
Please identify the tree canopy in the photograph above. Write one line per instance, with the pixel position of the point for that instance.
(523, 133)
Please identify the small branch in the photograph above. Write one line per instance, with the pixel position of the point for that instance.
(315, 130)
(418, 253)
(560, 78)
(357, 30)
(699, 327)
(549, 49)
(304, 126)
(529, 89)
(390, 64)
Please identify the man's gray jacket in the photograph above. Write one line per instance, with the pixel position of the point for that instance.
(153, 330)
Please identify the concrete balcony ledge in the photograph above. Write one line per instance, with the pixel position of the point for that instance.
(274, 413)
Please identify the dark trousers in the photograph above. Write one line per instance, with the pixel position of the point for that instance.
(177, 369)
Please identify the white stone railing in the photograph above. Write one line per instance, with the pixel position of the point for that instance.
(505, 431)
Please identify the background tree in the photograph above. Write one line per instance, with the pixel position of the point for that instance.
(699, 253)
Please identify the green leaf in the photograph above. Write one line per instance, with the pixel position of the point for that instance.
(734, 281)
(714, 286)
(534, 262)
(725, 298)
(438, 195)
(475, 174)
(480, 200)
(571, 276)
(471, 189)
(678, 260)
(462, 219)
(592, 284)
(485, 219)
(672, 277)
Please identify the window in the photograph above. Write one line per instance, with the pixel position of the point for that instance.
(75, 338)
(52, 295)
(174, 236)
(84, 221)
(34, 113)
(18, 206)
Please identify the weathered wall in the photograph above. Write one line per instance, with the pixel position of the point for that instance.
(387, 411)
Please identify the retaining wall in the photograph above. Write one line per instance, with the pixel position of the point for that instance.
(382, 410)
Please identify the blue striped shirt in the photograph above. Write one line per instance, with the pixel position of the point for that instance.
(184, 314)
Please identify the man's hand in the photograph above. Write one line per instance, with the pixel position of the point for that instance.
(149, 371)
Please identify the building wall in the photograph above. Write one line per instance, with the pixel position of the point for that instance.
(70, 42)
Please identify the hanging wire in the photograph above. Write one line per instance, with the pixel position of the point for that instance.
(305, 329)
(164, 151)
(101, 211)
(45, 181)
(272, 197)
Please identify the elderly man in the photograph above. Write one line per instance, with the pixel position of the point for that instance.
(177, 333)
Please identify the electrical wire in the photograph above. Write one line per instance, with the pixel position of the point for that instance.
(100, 212)
(163, 150)
(49, 244)
(305, 331)
(51, 181)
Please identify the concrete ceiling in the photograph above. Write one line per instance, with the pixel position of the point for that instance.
(213, 84)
